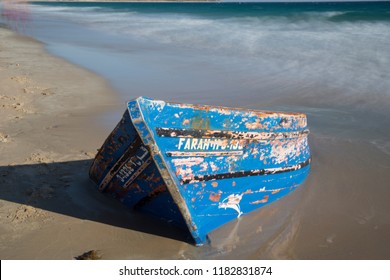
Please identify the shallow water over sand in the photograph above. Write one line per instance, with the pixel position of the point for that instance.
(337, 72)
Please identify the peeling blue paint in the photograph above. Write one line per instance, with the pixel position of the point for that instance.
(211, 164)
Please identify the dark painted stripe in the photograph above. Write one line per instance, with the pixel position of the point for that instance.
(227, 134)
(203, 153)
(257, 172)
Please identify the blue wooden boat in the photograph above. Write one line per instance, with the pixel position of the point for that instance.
(200, 167)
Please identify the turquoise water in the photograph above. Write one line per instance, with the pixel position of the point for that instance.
(328, 60)
(347, 11)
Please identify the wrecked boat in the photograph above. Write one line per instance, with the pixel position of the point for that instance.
(200, 167)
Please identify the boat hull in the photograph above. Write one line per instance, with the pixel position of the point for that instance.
(200, 167)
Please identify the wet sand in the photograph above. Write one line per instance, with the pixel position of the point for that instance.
(49, 209)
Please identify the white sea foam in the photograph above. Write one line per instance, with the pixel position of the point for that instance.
(343, 62)
(382, 145)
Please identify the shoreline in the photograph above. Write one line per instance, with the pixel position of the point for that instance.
(40, 88)
(49, 133)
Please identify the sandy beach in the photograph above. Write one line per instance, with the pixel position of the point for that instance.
(48, 135)
(53, 118)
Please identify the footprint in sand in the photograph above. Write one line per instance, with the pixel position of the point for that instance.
(24, 213)
(4, 138)
(9, 64)
(21, 79)
(18, 106)
(47, 91)
(5, 97)
(27, 90)
(39, 158)
(13, 103)
(26, 81)
(39, 90)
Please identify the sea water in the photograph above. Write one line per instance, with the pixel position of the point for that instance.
(327, 54)
(328, 60)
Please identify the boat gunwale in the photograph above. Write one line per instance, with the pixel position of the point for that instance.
(256, 112)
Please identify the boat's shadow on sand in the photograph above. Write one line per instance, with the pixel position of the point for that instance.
(66, 189)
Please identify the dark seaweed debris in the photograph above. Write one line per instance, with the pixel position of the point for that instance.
(90, 255)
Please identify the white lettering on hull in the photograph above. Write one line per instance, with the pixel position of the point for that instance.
(195, 144)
